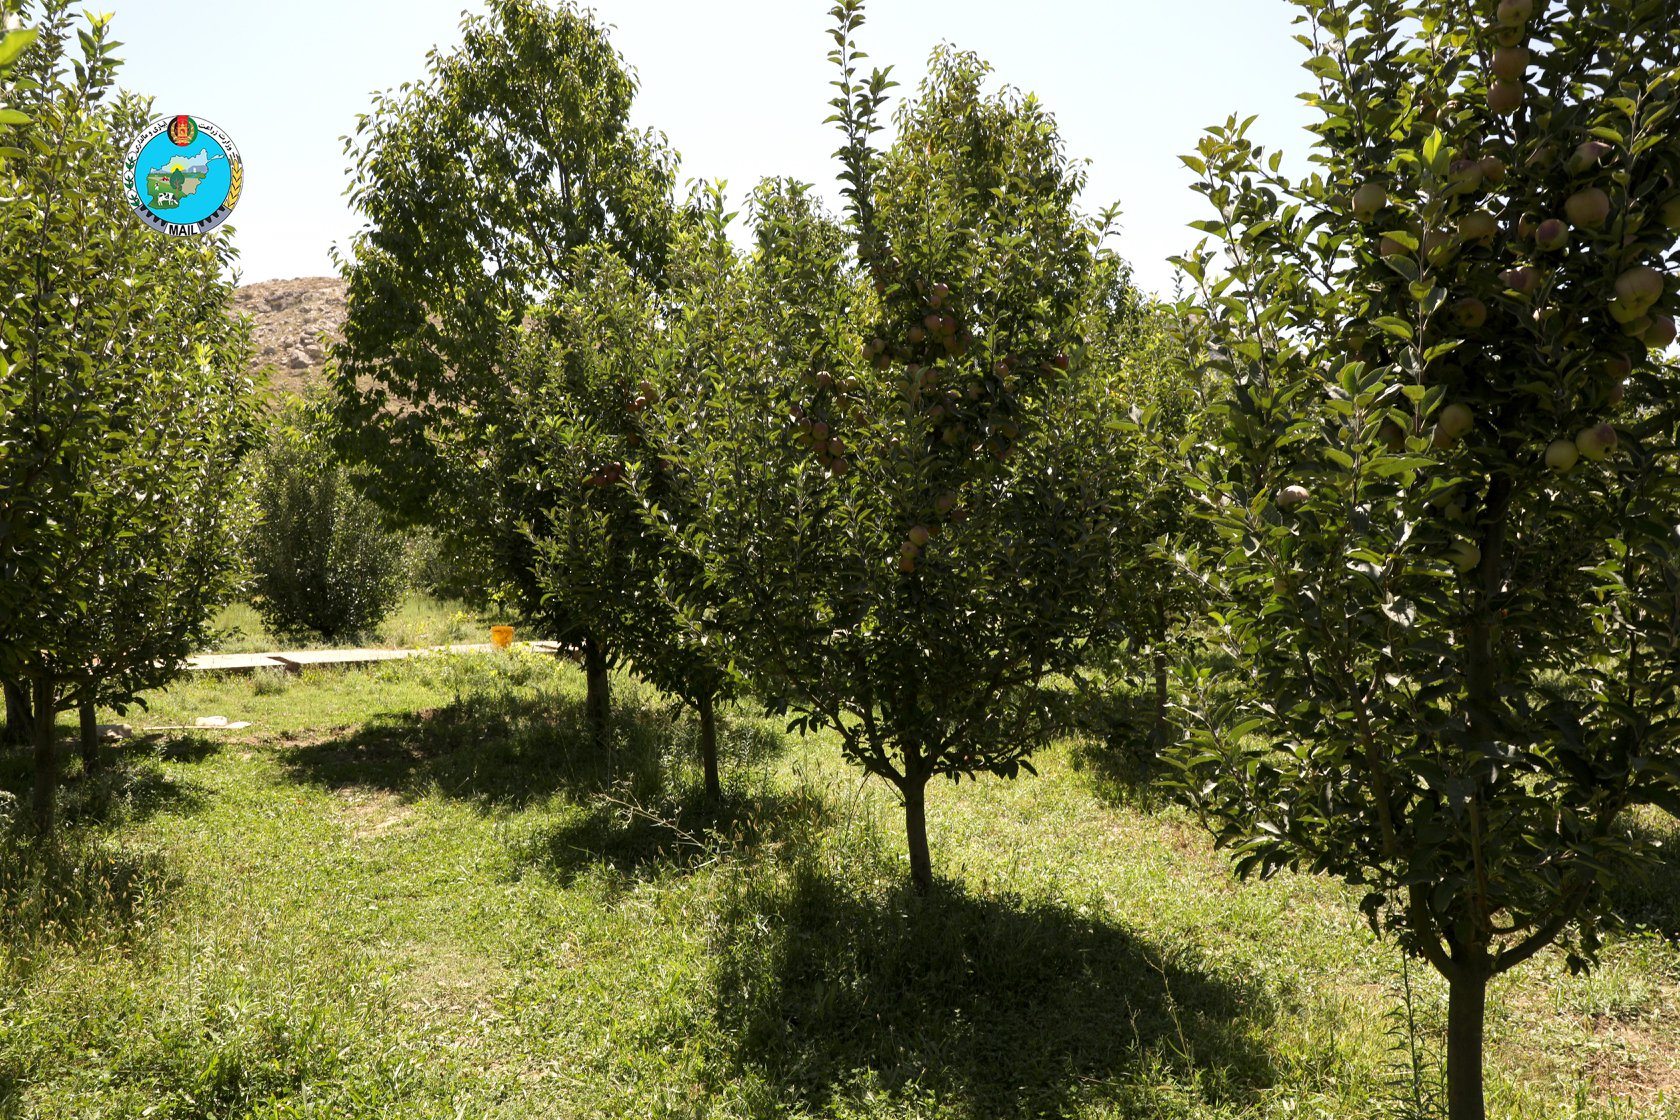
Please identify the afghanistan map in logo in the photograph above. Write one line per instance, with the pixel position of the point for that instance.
(184, 175)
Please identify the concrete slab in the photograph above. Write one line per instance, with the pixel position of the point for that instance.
(297, 658)
(231, 662)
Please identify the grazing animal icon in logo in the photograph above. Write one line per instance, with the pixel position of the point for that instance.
(184, 175)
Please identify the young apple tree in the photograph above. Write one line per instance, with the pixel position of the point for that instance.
(1442, 464)
(586, 374)
(123, 408)
(476, 185)
(907, 476)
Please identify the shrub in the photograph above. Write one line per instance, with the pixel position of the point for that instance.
(322, 559)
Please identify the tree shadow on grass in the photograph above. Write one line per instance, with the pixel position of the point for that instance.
(682, 833)
(509, 751)
(991, 1007)
(128, 785)
(1118, 744)
(1652, 901)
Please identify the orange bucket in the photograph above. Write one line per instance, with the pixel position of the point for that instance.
(501, 636)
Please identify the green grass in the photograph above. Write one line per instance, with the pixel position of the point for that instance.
(414, 891)
(421, 620)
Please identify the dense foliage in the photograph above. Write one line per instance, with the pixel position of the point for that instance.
(477, 186)
(322, 561)
(122, 405)
(913, 487)
(1443, 468)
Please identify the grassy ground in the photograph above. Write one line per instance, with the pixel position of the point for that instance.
(412, 891)
(420, 621)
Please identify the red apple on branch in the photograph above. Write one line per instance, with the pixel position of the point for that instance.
(1551, 235)
(1596, 442)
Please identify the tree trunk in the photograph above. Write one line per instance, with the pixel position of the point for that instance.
(598, 701)
(915, 830)
(90, 738)
(708, 748)
(20, 719)
(1466, 1008)
(46, 753)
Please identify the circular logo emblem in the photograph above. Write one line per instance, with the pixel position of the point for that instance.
(184, 175)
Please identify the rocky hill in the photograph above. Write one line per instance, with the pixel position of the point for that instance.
(292, 323)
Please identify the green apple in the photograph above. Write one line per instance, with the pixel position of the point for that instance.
(1640, 286)
(1551, 235)
(1453, 422)
(1493, 170)
(1291, 496)
(919, 535)
(1522, 280)
(1478, 226)
(1514, 13)
(1660, 334)
(1439, 247)
(1504, 97)
(1625, 311)
(1368, 200)
(1465, 555)
(1671, 212)
(1464, 176)
(1510, 63)
(1587, 208)
(1470, 312)
(1561, 455)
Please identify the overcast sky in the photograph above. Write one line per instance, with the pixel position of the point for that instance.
(739, 87)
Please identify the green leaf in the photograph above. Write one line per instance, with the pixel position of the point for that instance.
(14, 44)
(1394, 325)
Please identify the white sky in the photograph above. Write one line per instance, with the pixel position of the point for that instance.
(739, 87)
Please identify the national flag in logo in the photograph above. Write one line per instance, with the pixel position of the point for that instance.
(183, 131)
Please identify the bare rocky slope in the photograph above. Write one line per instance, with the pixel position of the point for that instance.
(292, 324)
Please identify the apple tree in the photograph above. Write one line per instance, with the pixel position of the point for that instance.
(123, 408)
(476, 185)
(1130, 346)
(1441, 465)
(907, 474)
(586, 373)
